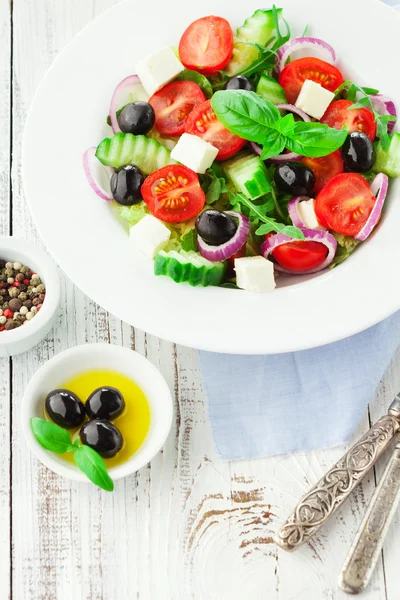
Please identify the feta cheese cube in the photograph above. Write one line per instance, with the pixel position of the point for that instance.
(194, 153)
(306, 210)
(150, 235)
(314, 99)
(255, 274)
(158, 69)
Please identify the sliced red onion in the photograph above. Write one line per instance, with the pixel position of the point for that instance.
(385, 106)
(311, 235)
(98, 175)
(293, 207)
(128, 90)
(288, 156)
(228, 249)
(379, 188)
(318, 48)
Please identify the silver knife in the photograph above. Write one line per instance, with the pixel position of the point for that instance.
(364, 553)
(324, 498)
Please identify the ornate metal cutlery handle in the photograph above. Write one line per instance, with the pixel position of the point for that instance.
(320, 503)
(364, 553)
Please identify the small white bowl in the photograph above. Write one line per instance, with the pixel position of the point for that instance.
(31, 333)
(100, 356)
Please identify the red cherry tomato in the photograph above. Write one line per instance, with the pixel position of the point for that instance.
(338, 116)
(300, 256)
(173, 194)
(324, 168)
(207, 45)
(296, 72)
(203, 122)
(173, 103)
(345, 204)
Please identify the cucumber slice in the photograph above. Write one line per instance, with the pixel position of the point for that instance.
(189, 267)
(128, 149)
(389, 162)
(257, 29)
(270, 89)
(249, 175)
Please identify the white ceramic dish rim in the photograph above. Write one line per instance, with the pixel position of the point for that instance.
(160, 424)
(332, 305)
(47, 270)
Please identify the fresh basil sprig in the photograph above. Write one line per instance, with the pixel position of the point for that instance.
(255, 119)
(56, 439)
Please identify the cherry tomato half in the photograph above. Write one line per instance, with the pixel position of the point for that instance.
(173, 103)
(203, 122)
(345, 204)
(300, 256)
(338, 116)
(324, 168)
(296, 72)
(173, 194)
(206, 45)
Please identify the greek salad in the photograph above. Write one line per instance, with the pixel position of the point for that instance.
(234, 160)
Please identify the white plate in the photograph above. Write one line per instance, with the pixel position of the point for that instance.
(92, 246)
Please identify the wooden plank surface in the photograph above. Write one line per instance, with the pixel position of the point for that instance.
(188, 525)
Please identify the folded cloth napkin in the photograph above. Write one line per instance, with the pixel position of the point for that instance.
(268, 405)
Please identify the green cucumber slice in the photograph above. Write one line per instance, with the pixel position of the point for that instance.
(127, 149)
(249, 175)
(189, 267)
(270, 89)
(388, 162)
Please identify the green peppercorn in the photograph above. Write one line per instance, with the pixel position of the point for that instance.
(22, 296)
(41, 288)
(13, 292)
(24, 270)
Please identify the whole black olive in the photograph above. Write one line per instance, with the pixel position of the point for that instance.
(102, 436)
(126, 184)
(105, 403)
(65, 408)
(137, 118)
(358, 152)
(215, 227)
(294, 178)
(240, 82)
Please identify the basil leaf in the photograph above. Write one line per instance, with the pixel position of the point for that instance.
(274, 144)
(315, 139)
(201, 80)
(94, 467)
(51, 436)
(245, 114)
(286, 125)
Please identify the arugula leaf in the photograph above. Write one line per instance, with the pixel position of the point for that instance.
(94, 467)
(364, 102)
(201, 80)
(315, 139)
(51, 436)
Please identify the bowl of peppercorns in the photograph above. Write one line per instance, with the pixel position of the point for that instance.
(29, 295)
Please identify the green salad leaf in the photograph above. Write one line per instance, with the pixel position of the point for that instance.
(346, 247)
(201, 80)
(94, 467)
(133, 214)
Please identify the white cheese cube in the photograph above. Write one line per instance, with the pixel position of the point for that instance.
(306, 210)
(158, 69)
(314, 99)
(150, 235)
(194, 153)
(255, 274)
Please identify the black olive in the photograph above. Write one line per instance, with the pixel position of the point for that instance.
(105, 403)
(358, 152)
(294, 178)
(215, 227)
(126, 184)
(137, 118)
(65, 409)
(102, 436)
(240, 82)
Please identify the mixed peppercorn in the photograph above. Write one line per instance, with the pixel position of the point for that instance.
(21, 294)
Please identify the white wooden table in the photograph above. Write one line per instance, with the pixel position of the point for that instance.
(188, 525)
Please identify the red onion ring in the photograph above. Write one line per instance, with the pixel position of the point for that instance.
(379, 188)
(289, 156)
(325, 51)
(311, 235)
(385, 106)
(293, 206)
(128, 87)
(94, 170)
(228, 249)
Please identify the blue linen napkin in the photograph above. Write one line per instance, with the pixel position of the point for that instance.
(269, 405)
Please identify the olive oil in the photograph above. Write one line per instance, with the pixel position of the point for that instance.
(133, 423)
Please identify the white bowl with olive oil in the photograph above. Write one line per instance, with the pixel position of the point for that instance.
(144, 424)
